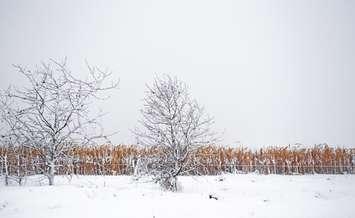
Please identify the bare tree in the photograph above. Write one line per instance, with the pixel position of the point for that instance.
(172, 120)
(54, 112)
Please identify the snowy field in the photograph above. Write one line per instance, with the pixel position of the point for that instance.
(238, 196)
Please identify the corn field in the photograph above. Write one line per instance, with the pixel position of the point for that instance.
(207, 160)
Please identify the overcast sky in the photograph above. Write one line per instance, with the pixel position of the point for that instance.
(270, 72)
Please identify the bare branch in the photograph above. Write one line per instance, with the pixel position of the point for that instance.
(174, 121)
(53, 112)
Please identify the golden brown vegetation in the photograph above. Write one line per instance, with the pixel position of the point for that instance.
(208, 160)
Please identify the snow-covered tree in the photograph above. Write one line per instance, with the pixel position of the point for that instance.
(175, 122)
(52, 113)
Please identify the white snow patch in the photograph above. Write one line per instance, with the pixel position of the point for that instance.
(237, 196)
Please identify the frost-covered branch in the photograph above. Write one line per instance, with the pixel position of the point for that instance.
(174, 121)
(52, 113)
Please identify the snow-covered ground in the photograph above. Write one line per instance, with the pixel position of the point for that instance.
(238, 196)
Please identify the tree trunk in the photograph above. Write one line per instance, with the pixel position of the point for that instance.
(51, 173)
(51, 179)
(174, 184)
(6, 171)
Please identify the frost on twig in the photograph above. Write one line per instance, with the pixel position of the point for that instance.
(52, 113)
(174, 123)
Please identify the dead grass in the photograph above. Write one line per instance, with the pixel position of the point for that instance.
(207, 160)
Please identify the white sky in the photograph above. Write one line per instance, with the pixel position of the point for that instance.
(270, 72)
